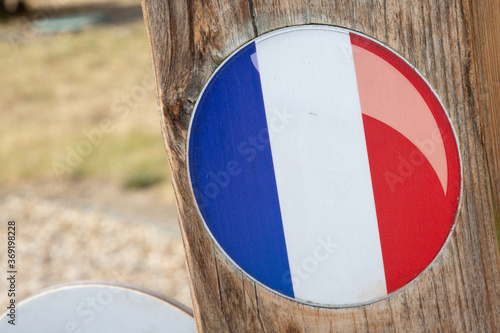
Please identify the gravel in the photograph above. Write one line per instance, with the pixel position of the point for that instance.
(57, 244)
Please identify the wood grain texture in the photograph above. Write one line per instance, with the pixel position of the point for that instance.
(486, 41)
(461, 291)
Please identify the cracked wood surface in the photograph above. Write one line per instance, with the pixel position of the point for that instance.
(452, 43)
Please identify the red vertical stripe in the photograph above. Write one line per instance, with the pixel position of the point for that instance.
(414, 215)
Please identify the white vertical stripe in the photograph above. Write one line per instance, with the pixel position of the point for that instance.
(321, 165)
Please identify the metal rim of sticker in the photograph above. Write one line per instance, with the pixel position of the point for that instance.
(428, 139)
(90, 303)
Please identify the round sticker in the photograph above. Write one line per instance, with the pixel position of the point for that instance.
(98, 307)
(324, 165)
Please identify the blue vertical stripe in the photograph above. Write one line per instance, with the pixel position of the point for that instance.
(232, 172)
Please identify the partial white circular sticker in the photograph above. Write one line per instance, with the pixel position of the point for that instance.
(324, 165)
(98, 307)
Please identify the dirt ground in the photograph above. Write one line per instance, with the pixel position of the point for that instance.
(113, 215)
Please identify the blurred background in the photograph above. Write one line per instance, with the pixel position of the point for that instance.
(83, 169)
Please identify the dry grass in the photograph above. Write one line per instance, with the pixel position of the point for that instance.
(56, 88)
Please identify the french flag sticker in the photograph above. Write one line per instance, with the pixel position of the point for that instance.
(324, 166)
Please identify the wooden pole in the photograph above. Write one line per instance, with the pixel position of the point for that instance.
(454, 44)
(486, 47)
